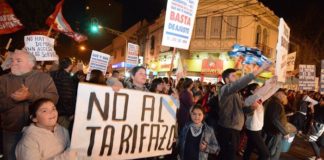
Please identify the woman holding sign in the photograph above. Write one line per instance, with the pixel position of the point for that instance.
(197, 139)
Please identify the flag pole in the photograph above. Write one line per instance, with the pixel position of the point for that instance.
(172, 59)
(8, 44)
(50, 30)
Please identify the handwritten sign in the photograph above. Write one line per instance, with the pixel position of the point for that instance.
(127, 124)
(307, 77)
(282, 50)
(179, 22)
(42, 47)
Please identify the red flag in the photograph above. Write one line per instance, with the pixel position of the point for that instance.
(8, 21)
(58, 22)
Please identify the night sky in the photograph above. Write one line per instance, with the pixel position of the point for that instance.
(305, 18)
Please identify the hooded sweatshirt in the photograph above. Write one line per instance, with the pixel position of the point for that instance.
(39, 143)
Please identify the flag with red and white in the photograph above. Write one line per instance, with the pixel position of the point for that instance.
(58, 22)
(9, 23)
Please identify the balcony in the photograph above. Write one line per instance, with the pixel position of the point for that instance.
(266, 50)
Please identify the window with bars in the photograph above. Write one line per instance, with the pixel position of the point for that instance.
(200, 31)
(231, 26)
(216, 27)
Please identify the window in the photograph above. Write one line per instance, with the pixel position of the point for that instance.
(216, 27)
(265, 37)
(152, 43)
(231, 26)
(200, 31)
(258, 35)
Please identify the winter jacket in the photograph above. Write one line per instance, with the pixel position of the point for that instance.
(15, 115)
(231, 103)
(39, 143)
(275, 118)
(66, 86)
(207, 135)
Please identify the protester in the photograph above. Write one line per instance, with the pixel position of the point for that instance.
(97, 77)
(138, 79)
(114, 79)
(197, 139)
(231, 117)
(254, 121)
(157, 85)
(44, 138)
(186, 102)
(275, 121)
(300, 116)
(67, 84)
(17, 90)
(317, 128)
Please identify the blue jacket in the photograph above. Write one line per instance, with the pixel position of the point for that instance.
(207, 135)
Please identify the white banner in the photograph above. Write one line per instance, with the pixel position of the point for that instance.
(307, 77)
(127, 124)
(291, 61)
(99, 61)
(282, 50)
(179, 21)
(316, 84)
(132, 54)
(42, 47)
(322, 78)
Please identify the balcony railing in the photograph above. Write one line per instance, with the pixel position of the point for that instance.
(266, 50)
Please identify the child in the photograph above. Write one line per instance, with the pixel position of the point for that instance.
(197, 139)
(44, 138)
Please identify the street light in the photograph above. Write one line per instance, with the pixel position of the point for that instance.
(82, 48)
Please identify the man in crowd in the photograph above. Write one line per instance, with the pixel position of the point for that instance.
(275, 120)
(66, 84)
(231, 116)
(18, 89)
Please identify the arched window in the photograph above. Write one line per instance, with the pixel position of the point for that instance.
(265, 37)
(258, 35)
(152, 42)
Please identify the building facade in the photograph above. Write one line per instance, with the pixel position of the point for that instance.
(218, 26)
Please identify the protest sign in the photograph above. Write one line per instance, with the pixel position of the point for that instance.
(132, 54)
(179, 21)
(42, 47)
(99, 61)
(127, 124)
(282, 51)
(307, 77)
(291, 61)
(322, 78)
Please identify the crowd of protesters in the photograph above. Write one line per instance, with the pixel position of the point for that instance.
(226, 120)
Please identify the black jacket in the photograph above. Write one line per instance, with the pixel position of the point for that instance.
(275, 117)
(67, 89)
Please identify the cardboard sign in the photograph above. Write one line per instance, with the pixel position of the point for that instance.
(291, 61)
(179, 21)
(42, 47)
(132, 54)
(307, 77)
(99, 61)
(282, 50)
(322, 78)
(127, 124)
